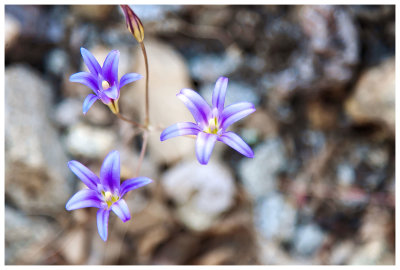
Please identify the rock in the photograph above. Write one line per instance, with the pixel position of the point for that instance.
(12, 28)
(345, 174)
(153, 13)
(166, 80)
(369, 253)
(93, 12)
(308, 238)
(90, 142)
(57, 62)
(258, 174)
(25, 237)
(201, 193)
(374, 96)
(73, 246)
(275, 218)
(36, 165)
(208, 67)
(68, 112)
(342, 252)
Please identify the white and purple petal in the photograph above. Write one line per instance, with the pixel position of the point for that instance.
(112, 92)
(85, 78)
(133, 183)
(89, 100)
(110, 67)
(91, 62)
(84, 198)
(235, 112)
(110, 172)
(120, 208)
(204, 145)
(128, 78)
(102, 223)
(196, 105)
(84, 174)
(237, 143)
(218, 97)
(179, 129)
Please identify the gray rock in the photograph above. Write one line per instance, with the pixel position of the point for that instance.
(154, 13)
(374, 96)
(201, 193)
(36, 165)
(12, 29)
(57, 62)
(308, 238)
(68, 112)
(208, 67)
(275, 218)
(258, 174)
(88, 141)
(25, 237)
(345, 174)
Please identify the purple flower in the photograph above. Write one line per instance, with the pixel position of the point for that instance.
(103, 80)
(105, 192)
(211, 123)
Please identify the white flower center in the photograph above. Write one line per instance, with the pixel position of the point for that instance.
(105, 85)
(109, 198)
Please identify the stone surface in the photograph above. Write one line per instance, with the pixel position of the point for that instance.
(275, 218)
(88, 141)
(201, 193)
(92, 12)
(36, 171)
(166, 80)
(308, 238)
(25, 237)
(374, 96)
(12, 29)
(258, 174)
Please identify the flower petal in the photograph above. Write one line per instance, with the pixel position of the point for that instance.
(84, 198)
(196, 105)
(179, 129)
(91, 62)
(120, 208)
(128, 78)
(133, 183)
(110, 67)
(89, 100)
(84, 174)
(235, 112)
(112, 92)
(110, 172)
(102, 223)
(204, 145)
(85, 78)
(218, 98)
(237, 143)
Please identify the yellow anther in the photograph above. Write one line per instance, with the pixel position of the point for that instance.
(105, 85)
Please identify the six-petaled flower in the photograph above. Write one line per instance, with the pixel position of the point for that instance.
(105, 192)
(211, 123)
(103, 80)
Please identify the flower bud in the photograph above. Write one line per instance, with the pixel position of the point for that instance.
(133, 23)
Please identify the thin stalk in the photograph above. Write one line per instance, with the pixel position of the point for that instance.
(142, 152)
(146, 63)
(136, 124)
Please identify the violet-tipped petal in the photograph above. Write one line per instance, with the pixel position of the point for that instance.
(89, 101)
(133, 183)
(204, 145)
(196, 105)
(90, 62)
(237, 143)
(110, 171)
(85, 78)
(110, 66)
(179, 129)
(84, 174)
(218, 97)
(120, 208)
(82, 199)
(102, 223)
(112, 92)
(128, 78)
(235, 112)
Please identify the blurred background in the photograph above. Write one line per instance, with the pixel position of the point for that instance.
(320, 189)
